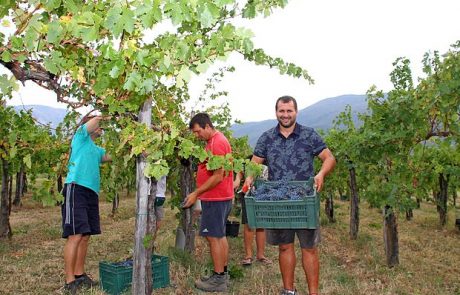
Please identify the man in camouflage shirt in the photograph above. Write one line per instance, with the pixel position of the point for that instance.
(289, 150)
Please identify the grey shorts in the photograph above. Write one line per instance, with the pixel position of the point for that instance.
(308, 238)
(213, 218)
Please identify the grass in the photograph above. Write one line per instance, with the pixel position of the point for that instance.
(31, 263)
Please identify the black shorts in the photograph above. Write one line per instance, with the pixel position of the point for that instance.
(80, 211)
(244, 215)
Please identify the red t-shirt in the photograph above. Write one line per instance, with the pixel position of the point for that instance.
(223, 191)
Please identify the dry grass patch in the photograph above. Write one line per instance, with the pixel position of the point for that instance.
(31, 263)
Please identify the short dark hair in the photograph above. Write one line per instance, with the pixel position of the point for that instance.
(286, 99)
(85, 119)
(201, 119)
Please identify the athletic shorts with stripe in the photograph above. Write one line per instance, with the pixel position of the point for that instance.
(80, 211)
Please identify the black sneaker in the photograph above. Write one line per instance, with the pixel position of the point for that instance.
(72, 287)
(288, 292)
(87, 281)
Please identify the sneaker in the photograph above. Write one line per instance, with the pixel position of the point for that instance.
(227, 278)
(87, 281)
(72, 287)
(215, 283)
(288, 292)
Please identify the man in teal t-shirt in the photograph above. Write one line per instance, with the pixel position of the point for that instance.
(80, 211)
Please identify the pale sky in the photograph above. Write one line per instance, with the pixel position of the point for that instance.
(346, 46)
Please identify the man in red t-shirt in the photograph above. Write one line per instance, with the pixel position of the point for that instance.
(215, 191)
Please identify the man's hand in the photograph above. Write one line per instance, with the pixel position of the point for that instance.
(190, 200)
(326, 168)
(319, 181)
(247, 184)
(236, 182)
(106, 158)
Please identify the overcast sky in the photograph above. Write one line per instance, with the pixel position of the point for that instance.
(346, 46)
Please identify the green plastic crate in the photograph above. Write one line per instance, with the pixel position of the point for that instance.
(116, 279)
(287, 214)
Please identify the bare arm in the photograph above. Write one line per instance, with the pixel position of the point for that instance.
(237, 181)
(328, 165)
(215, 179)
(93, 124)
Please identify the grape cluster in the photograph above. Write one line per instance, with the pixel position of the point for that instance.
(282, 191)
(126, 263)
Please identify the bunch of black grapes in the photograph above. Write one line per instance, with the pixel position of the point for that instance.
(282, 191)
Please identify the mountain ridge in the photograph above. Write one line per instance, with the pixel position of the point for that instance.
(44, 114)
(319, 115)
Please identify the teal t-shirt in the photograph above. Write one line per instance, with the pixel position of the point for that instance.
(85, 160)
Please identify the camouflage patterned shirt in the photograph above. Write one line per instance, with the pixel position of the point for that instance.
(289, 158)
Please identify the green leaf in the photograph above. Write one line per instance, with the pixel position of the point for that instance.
(155, 170)
(13, 152)
(222, 3)
(53, 62)
(115, 71)
(149, 13)
(182, 50)
(203, 67)
(174, 132)
(208, 14)
(6, 56)
(54, 32)
(31, 39)
(228, 31)
(134, 79)
(7, 85)
(248, 46)
(142, 57)
(111, 21)
(186, 148)
(174, 10)
(17, 42)
(127, 19)
(215, 162)
(148, 85)
(244, 33)
(71, 6)
(156, 11)
(201, 154)
(184, 75)
(52, 4)
(166, 64)
(6, 5)
(28, 161)
(90, 34)
(249, 11)
(88, 26)
(147, 242)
